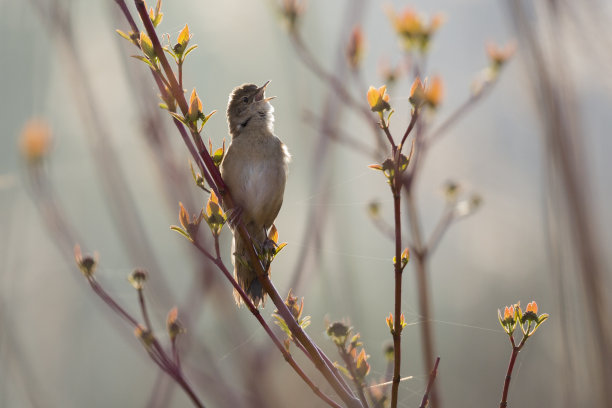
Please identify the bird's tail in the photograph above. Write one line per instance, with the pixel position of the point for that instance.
(243, 270)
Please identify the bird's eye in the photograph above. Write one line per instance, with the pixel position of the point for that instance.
(245, 99)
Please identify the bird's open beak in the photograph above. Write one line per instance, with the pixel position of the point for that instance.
(259, 96)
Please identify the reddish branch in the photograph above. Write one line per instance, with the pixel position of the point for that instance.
(432, 378)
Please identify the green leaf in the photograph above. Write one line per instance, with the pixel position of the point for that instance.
(178, 117)
(193, 47)
(169, 51)
(525, 329)
(147, 46)
(355, 341)
(158, 19)
(193, 173)
(343, 370)
(280, 322)
(541, 320)
(280, 246)
(518, 312)
(217, 156)
(205, 119)
(403, 162)
(124, 35)
(389, 117)
(145, 60)
(499, 316)
(181, 231)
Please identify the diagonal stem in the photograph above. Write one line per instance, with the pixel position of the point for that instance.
(217, 261)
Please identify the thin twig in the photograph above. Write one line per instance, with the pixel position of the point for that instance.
(432, 378)
(311, 62)
(460, 112)
(413, 121)
(143, 308)
(515, 350)
(155, 351)
(338, 135)
(445, 221)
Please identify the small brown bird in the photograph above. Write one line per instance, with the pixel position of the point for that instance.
(255, 170)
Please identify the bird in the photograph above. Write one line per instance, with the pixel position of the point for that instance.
(254, 169)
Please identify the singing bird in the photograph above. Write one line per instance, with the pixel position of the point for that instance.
(254, 169)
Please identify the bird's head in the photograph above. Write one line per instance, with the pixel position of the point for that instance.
(249, 108)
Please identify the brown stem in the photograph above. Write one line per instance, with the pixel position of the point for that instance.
(311, 62)
(180, 74)
(99, 290)
(396, 188)
(432, 378)
(413, 121)
(143, 308)
(338, 135)
(128, 16)
(188, 390)
(247, 301)
(504, 401)
(425, 312)
(385, 129)
(439, 230)
(397, 328)
(156, 352)
(459, 113)
(175, 354)
(421, 255)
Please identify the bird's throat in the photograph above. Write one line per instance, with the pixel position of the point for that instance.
(245, 123)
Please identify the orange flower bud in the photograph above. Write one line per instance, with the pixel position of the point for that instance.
(355, 48)
(35, 140)
(378, 99)
(499, 55)
(532, 307)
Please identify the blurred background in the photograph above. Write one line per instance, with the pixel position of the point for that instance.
(536, 149)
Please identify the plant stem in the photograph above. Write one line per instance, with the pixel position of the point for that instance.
(187, 388)
(397, 328)
(432, 377)
(342, 92)
(143, 307)
(156, 352)
(504, 401)
(420, 256)
(425, 312)
(110, 301)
